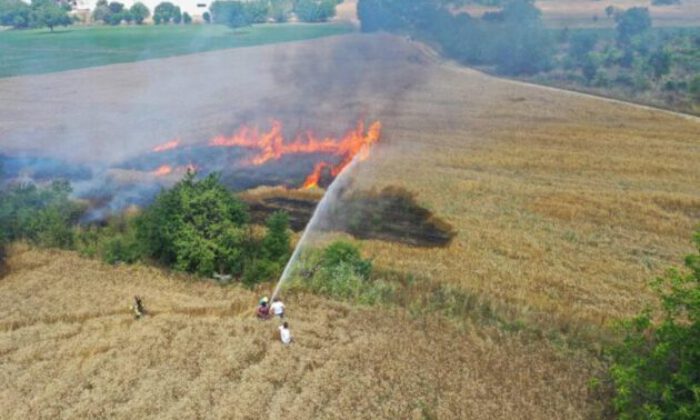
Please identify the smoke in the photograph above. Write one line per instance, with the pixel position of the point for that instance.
(97, 126)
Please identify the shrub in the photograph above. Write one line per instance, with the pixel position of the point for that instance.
(656, 370)
(197, 226)
(44, 216)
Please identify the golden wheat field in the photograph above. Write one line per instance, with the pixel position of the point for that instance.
(70, 348)
(564, 207)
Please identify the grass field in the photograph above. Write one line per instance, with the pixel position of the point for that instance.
(41, 51)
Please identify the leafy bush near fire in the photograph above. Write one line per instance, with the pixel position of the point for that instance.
(656, 370)
(42, 215)
(197, 226)
(339, 271)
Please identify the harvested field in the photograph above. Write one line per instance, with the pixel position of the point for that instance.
(69, 347)
(562, 204)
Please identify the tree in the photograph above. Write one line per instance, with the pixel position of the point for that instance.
(197, 226)
(177, 15)
(186, 18)
(230, 13)
(276, 243)
(694, 88)
(207, 17)
(44, 216)
(139, 12)
(257, 11)
(280, 10)
(656, 369)
(610, 11)
(49, 14)
(632, 22)
(315, 10)
(101, 11)
(164, 12)
(660, 63)
(15, 13)
(581, 44)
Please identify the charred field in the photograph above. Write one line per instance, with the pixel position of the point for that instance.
(556, 207)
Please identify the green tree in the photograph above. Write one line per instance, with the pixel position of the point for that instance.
(257, 11)
(280, 10)
(230, 13)
(581, 44)
(177, 15)
(207, 17)
(694, 88)
(164, 12)
(15, 13)
(44, 216)
(186, 18)
(46, 13)
(197, 226)
(276, 243)
(660, 63)
(656, 370)
(139, 12)
(315, 10)
(632, 22)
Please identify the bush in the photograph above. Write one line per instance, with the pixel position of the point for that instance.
(656, 370)
(315, 10)
(44, 216)
(197, 226)
(340, 271)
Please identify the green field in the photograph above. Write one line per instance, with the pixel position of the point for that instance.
(41, 51)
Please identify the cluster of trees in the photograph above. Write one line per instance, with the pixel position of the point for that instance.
(242, 13)
(656, 369)
(38, 14)
(114, 13)
(512, 39)
(196, 227)
(636, 59)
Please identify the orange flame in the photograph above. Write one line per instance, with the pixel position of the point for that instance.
(315, 176)
(163, 170)
(173, 144)
(271, 145)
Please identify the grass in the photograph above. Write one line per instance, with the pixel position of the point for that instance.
(41, 51)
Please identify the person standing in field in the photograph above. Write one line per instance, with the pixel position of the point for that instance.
(285, 334)
(277, 308)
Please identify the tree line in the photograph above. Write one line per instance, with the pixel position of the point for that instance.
(48, 13)
(197, 227)
(513, 40)
(243, 13)
(37, 14)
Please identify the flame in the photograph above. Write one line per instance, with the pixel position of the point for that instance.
(315, 176)
(163, 170)
(173, 144)
(271, 145)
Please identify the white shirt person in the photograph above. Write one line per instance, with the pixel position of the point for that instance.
(277, 308)
(285, 334)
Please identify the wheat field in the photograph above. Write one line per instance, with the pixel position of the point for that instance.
(564, 206)
(70, 348)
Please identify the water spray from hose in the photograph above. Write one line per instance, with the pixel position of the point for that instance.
(330, 198)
